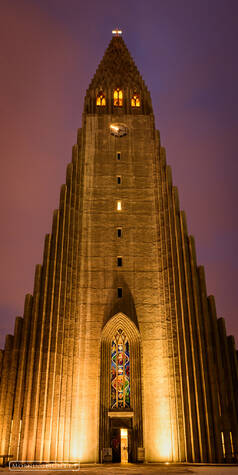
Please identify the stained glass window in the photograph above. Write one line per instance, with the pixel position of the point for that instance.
(120, 371)
(118, 97)
(101, 99)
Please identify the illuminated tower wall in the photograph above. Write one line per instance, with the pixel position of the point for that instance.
(119, 266)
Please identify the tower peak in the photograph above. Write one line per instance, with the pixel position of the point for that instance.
(117, 32)
(117, 71)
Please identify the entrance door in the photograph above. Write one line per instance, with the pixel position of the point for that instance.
(124, 446)
(121, 439)
(116, 445)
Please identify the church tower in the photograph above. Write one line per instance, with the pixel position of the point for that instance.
(119, 347)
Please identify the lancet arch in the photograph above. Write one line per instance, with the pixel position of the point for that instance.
(121, 324)
(120, 320)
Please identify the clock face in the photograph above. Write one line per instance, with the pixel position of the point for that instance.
(118, 130)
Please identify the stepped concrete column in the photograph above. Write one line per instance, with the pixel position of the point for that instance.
(195, 352)
(66, 381)
(212, 370)
(53, 381)
(208, 440)
(175, 367)
(234, 367)
(183, 332)
(23, 450)
(164, 389)
(46, 339)
(75, 413)
(195, 390)
(222, 390)
(234, 373)
(230, 402)
(173, 210)
(73, 395)
(38, 346)
(6, 365)
(181, 368)
(62, 314)
(69, 450)
(11, 388)
(57, 344)
(21, 375)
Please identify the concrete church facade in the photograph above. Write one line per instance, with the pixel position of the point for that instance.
(119, 346)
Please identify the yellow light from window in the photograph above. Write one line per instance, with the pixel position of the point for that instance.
(223, 444)
(135, 100)
(118, 205)
(118, 97)
(232, 446)
(123, 432)
(100, 100)
(117, 32)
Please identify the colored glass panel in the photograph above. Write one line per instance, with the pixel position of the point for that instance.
(120, 371)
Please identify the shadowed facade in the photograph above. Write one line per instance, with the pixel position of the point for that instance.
(119, 332)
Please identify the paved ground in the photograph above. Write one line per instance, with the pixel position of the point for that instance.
(150, 469)
(153, 469)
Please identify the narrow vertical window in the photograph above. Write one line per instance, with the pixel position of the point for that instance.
(118, 155)
(223, 444)
(119, 232)
(135, 100)
(118, 97)
(232, 446)
(100, 99)
(119, 180)
(120, 371)
(219, 403)
(119, 262)
(118, 205)
(119, 292)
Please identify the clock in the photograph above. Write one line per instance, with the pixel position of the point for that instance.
(118, 130)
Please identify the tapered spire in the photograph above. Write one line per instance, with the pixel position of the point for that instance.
(117, 69)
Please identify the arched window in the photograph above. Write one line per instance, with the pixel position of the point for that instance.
(118, 97)
(135, 100)
(120, 371)
(101, 99)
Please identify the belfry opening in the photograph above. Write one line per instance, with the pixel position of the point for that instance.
(119, 356)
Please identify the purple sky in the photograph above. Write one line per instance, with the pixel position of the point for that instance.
(186, 51)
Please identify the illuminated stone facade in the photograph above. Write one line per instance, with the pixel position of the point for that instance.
(119, 261)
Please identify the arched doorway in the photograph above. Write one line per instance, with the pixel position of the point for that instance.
(120, 389)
